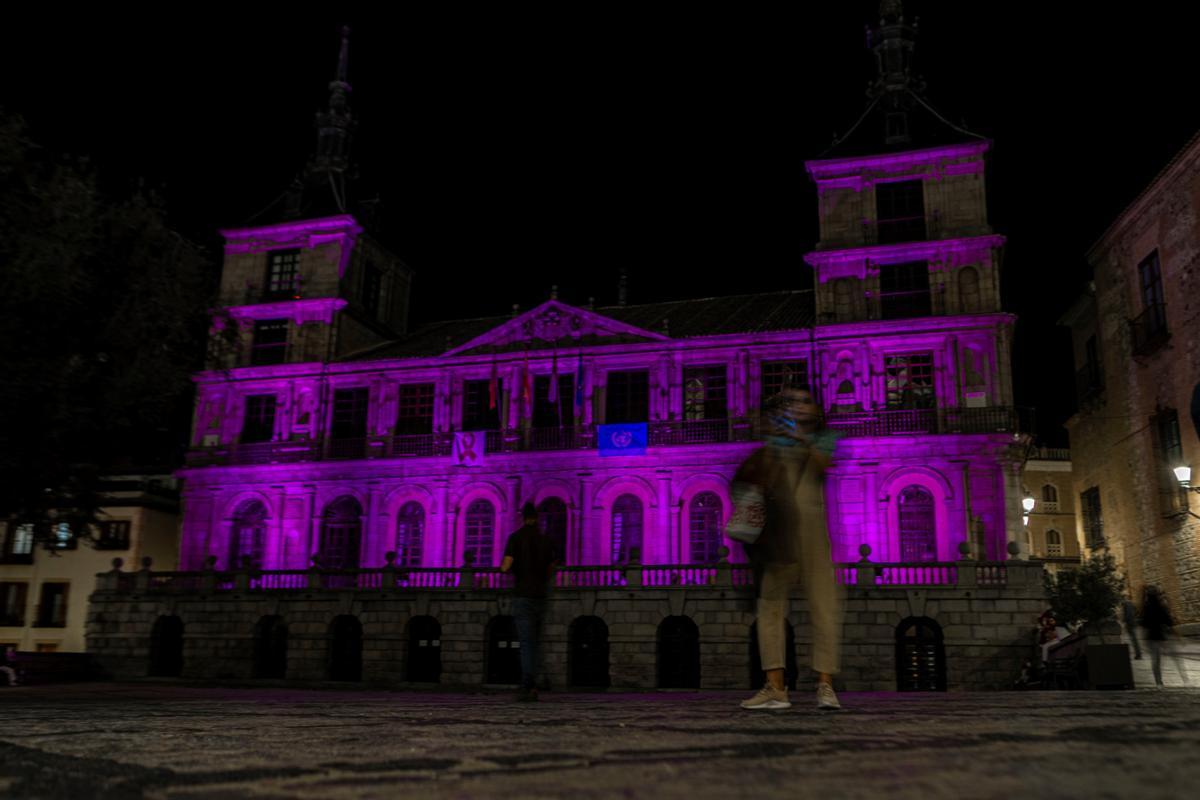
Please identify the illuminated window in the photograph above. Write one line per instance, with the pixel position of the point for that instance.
(410, 528)
(626, 528)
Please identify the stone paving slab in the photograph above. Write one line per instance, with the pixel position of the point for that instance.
(188, 743)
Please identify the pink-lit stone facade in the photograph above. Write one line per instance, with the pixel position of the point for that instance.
(925, 401)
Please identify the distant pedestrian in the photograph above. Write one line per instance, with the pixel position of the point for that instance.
(7, 655)
(1159, 624)
(1129, 615)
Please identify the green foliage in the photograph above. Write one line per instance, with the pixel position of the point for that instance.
(1089, 594)
(103, 313)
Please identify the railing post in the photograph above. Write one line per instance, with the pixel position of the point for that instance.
(967, 577)
(111, 581)
(724, 569)
(633, 570)
(314, 573)
(388, 577)
(467, 581)
(864, 571)
(208, 579)
(142, 581)
(241, 578)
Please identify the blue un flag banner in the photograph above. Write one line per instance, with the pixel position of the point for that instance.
(623, 439)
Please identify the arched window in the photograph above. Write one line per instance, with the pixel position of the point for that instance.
(341, 534)
(704, 527)
(1049, 498)
(248, 534)
(968, 290)
(1054, 545)
(481, 532)
(918, 537)
(626, 528)
(410, 527)
(552, 521)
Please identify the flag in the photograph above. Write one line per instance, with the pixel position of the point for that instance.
(527, 387)
(623, 439)
(579, 388)
(469, 448)
(552, 396)
(492, 386)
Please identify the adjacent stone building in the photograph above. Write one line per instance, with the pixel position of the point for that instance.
(44, 592)
(1050, 532)
(1137, 361)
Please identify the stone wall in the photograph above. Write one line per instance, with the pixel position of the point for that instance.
(987, 620)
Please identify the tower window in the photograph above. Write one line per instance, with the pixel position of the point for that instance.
(283, 270)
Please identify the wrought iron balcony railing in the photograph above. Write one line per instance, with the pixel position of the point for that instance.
(676, 433)
(1149, 330)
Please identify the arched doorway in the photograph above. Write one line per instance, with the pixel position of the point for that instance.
(920, 656)
(270, 648)
(791, 673)
(503, 652)
(345, 648)
(587, 655)
(166, 647)
(678, 654)
(424, 650)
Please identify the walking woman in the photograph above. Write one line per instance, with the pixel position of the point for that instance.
(789, 474)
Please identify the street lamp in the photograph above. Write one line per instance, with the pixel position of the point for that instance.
(1028, 503)
(1183, 474)
(1025, 519)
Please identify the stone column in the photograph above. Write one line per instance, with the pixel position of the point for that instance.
(665, 545)
(587, 533)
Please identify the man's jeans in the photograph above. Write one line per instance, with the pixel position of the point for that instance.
(528, 613)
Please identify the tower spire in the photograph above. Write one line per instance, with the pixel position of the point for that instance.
(895, 85)
(331, 163)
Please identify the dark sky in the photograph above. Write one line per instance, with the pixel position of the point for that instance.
(515, 150)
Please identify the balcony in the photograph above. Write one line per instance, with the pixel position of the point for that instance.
(577, 437)
(673, 433)
(995, 419)
(1089, 384)
(683, 432)
(1149, 330)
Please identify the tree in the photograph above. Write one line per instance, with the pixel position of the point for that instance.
(1088, 595)
(103, 313)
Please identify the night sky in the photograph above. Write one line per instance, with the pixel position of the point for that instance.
(518, 150)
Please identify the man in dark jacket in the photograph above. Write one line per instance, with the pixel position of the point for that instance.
(530, 556)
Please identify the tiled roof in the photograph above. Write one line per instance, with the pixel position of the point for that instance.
(679, 319)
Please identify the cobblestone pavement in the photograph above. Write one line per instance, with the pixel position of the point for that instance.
(165, 741)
